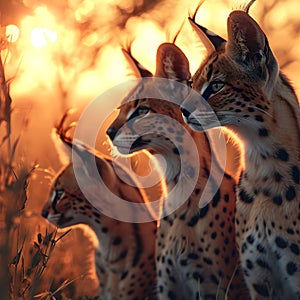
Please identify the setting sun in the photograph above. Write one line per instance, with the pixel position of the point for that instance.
(41, 37)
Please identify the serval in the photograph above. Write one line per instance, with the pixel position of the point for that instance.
(241, 82)
(196, 250)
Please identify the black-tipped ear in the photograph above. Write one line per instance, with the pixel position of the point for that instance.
(139, 70)
(248, 6)
(248, 45)
(210, 40)
(62, 131)
(172, 63)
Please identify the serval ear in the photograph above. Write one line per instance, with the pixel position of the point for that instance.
(139, 70)
(87, 156)
(248, 46)
(92, 162)
(171, 63)
(211, 41)
(61, 138)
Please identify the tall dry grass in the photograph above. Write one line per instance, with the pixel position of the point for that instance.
(35, 259)
(14, 176)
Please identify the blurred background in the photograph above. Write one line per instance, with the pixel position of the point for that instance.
(61, 54)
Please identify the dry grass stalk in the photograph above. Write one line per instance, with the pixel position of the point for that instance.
(18, 278)
(12, 186)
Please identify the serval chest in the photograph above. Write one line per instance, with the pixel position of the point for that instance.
(252, 98)
(196, 251)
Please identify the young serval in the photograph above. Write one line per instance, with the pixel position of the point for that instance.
(125, 259)
(250, 96)
(196, 251)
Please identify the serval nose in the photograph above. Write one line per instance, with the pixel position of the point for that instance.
(185, 112)
(45, 213)
(111, 132)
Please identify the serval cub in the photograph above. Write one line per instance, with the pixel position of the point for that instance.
(196, 251)
(125, 259)
(248, 94)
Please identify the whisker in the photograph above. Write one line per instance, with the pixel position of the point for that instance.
(115, 151)
(53, 218)
(261, 110)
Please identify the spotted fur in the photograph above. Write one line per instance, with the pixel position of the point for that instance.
(251, 97)
(196, 252)
(125, 259)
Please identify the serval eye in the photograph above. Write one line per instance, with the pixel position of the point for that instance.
(142, 110)
(212, 88)
(138, 112)
(216, 86)
(58, 195)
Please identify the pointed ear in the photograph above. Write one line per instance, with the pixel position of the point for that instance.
(83, 157)
(210, 40)
(63, 150)
(91, 160)
(139, 70)
(61, 138)
(171, 63)
(248, 45)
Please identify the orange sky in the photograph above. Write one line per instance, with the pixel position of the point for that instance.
(68, 52)
(52, 51)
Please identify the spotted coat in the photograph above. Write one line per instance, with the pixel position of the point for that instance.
(248, 94)
(125, 259)
(196, 252)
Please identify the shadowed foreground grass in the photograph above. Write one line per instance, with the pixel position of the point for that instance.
(37, 262)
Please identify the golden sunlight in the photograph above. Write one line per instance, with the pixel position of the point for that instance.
(41, 27)
(63, 54)
(84, 11)
(41, 37)
(146, 36)
(12, 32)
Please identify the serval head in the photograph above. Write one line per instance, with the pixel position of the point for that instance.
(241, 82)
